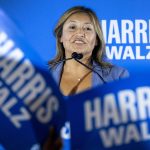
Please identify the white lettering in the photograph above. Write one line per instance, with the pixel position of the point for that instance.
(112, 137)
(140, 30)
(113, 32)
(92, 114)
(143, 94)
(132, 134)
(127, 26)
(110, 110)
(45, 114)
(18, 118)
(21, 75)
(127, 103)
(9, 63)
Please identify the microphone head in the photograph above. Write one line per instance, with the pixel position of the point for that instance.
(76, 55)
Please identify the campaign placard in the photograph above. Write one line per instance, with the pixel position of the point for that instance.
(30, 101)
(115, 116)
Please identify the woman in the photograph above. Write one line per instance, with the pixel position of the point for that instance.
(78, 30)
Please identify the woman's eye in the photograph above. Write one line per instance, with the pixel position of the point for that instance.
(88, 29)
(72, 27)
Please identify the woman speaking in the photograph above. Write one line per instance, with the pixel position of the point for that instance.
(78, 33)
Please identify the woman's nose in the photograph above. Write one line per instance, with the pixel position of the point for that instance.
(80, 32)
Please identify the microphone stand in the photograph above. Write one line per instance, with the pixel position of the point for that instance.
(62, 60)
(90, 69)
(76, 57)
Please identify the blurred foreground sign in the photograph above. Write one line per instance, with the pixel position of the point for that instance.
(29, 99)
(115, 116)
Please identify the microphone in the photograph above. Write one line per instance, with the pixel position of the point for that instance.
(78, 56)
(74, 56)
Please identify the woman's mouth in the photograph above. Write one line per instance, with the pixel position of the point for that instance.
(79, 42)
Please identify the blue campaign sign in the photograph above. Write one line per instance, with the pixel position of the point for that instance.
(115, 116)
(30, 101)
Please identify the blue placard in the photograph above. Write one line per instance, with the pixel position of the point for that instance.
(30, 101)
(115, 116)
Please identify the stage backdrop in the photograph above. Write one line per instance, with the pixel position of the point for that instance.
(125, 23)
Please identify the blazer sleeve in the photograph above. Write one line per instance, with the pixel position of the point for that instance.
(124, 73)
(118, 72)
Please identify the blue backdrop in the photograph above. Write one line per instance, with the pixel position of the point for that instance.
(127, 27)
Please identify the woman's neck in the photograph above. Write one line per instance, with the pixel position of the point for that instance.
(72, 66)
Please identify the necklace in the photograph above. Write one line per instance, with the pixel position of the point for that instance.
(82, 78)
(79, 79)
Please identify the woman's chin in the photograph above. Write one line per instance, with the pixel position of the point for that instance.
(83, 51)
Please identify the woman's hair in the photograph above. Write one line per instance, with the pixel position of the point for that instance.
(98, 53)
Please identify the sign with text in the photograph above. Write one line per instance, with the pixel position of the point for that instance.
(29, 99)
(114, 116)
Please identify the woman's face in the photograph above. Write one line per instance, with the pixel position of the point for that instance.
(78, 35)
